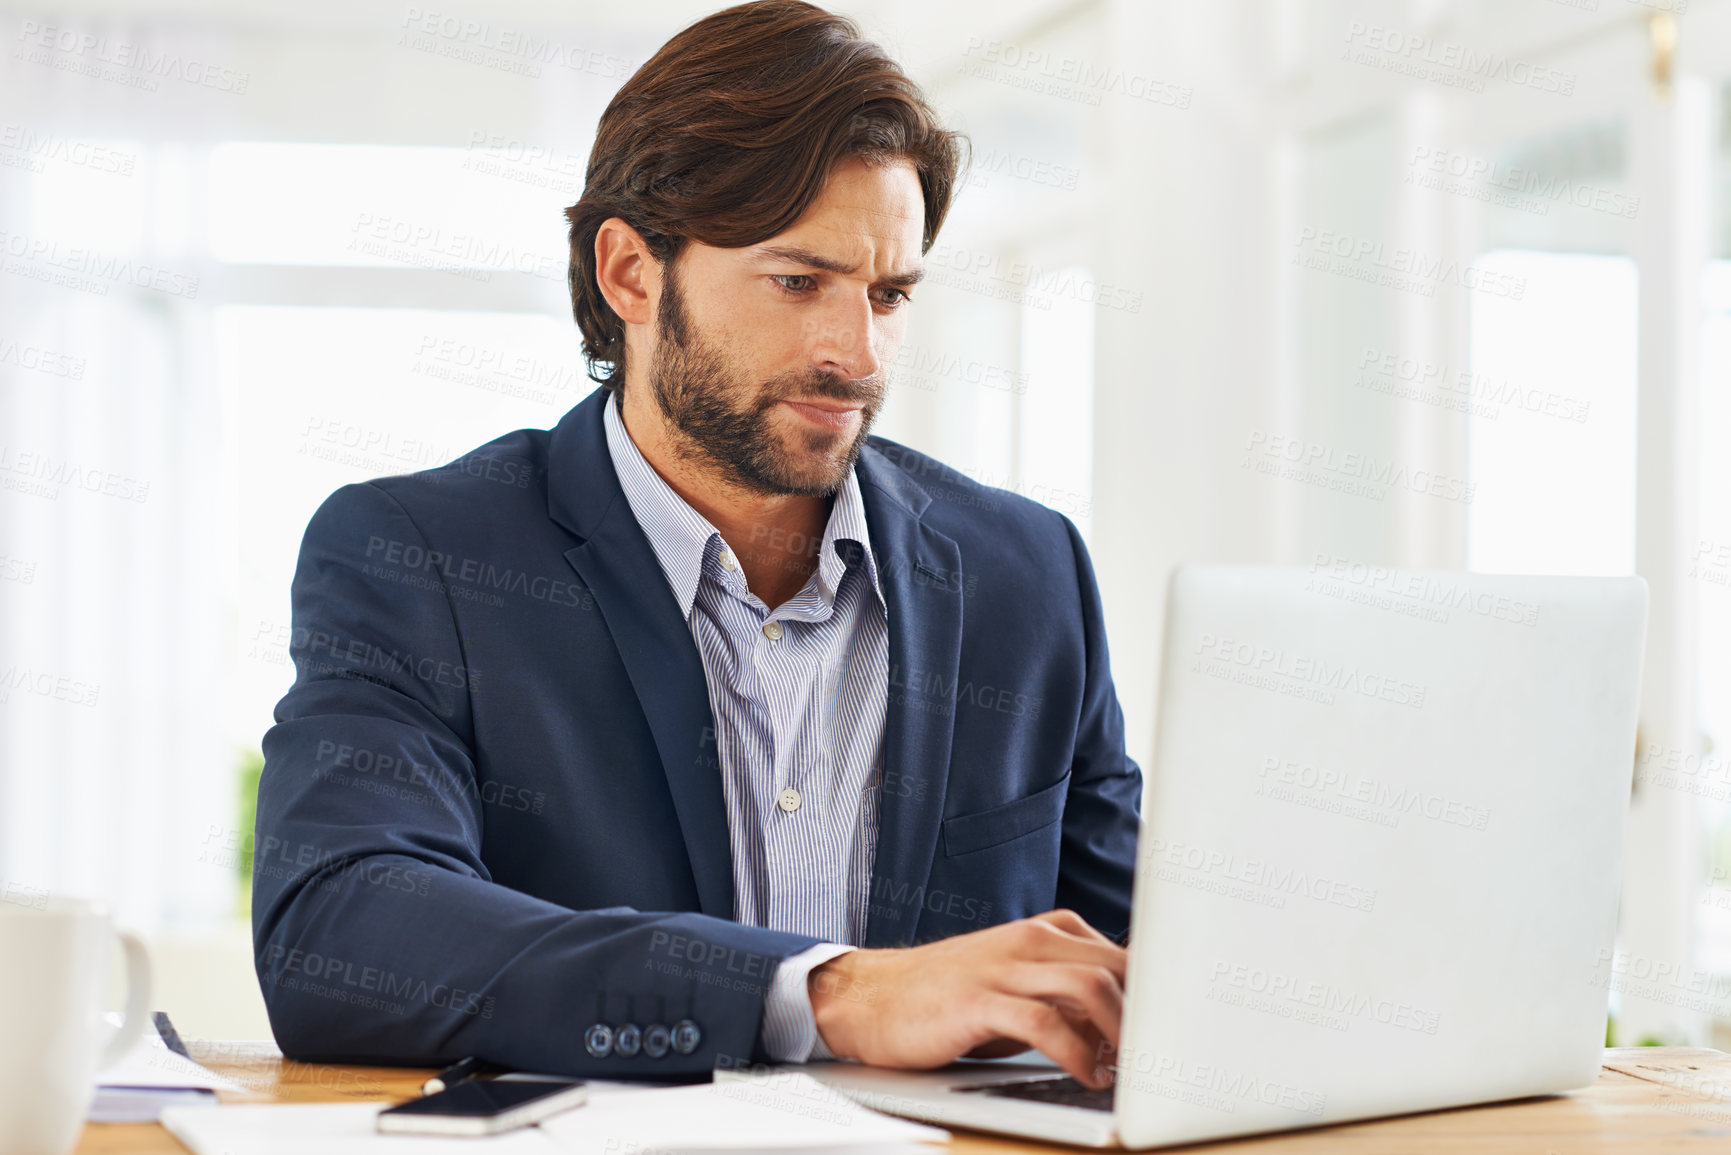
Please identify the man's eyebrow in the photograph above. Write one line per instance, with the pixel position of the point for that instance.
(799, 256)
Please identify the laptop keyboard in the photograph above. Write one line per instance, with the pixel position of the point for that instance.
(1062, 1091)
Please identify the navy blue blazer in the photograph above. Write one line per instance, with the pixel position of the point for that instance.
(491, 813)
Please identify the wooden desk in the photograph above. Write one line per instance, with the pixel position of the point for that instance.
(1647, 1100)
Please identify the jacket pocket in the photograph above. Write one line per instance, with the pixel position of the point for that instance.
(966, 833)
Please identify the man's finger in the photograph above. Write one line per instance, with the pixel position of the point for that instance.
(1070, 921)
(1045, 1028)
(1095, 992)
(1105, 1053)
(1043, 941)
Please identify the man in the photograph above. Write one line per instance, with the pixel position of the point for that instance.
(607, 743)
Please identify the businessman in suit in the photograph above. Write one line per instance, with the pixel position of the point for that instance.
(706, 728)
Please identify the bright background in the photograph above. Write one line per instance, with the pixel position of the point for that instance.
(1167, 254)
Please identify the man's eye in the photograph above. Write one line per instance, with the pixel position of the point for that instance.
(794, 282)
(895, 298)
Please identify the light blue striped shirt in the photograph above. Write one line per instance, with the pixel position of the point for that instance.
(798, 695)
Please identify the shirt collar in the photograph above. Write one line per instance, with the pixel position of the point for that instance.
(681, 537)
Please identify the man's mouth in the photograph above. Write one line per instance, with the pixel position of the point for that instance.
(829, 414)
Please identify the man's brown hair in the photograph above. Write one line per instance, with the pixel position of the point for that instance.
(728, 133)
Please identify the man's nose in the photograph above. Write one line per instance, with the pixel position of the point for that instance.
(841, 339)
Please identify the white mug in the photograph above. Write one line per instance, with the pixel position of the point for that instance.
(54, 960)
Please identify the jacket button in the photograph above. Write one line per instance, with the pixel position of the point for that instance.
(655, 1040)
(627, 1039)
(598, 1040)
(686, 1036)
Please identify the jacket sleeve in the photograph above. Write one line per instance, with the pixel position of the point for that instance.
(379, 935)
(1102, 812)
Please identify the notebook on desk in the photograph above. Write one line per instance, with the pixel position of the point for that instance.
(786, 1114)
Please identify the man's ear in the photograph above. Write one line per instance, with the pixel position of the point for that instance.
(627, 272)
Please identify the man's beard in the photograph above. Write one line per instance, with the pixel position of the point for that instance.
(724, 422)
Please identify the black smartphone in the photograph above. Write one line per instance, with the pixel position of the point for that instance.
(484, 1107)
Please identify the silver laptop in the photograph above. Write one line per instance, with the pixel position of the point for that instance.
(1381, 854)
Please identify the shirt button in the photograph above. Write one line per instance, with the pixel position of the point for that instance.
(727, 562)
(772, 631)
(788, 800)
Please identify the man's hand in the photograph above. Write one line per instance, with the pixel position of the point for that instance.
(1051, 982)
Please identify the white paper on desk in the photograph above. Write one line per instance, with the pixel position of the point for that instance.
(143, 1104)
(151, 1064)
(329, 1129)
(783, 1112)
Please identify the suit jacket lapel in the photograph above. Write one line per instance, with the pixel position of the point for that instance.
(920, 570)
(620, 569)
